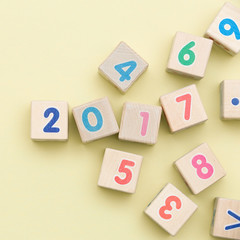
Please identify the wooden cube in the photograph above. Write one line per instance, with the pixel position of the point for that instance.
(200, 168)
(140, 123)
(230, 99)
(120, 170)
(183, 108)
(226, 219)
(224, 30)
(189, 55)
(123, 67)
(49, 120)
(95, 120)
(170, 209)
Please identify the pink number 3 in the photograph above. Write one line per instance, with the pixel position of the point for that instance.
(168, 207)
(124, 169)
(188, 101)
(202, 165)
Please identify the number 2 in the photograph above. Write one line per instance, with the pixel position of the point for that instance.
(233, 28)
(125, 75)
(188, 102)
(123, 168)
(202, 165)
(168, 207)
(49, 127)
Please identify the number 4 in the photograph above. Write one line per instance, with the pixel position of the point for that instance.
(188, 103)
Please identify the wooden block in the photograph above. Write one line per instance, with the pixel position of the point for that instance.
(226, 218)
(200, 168)
(230, 97)
(95, 120)
(224, 30)
(120, 170)
(49, 120)
(123, 67)
(170, 209)
(189, 55)
(183, 108)
(140, 123)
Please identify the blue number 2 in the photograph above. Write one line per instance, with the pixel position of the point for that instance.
(49, 127)
(125, 75)
(233, 28)
(98, 116)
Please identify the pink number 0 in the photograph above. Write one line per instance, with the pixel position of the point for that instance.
(202, 165)
(145, 116)
(168, 207)
(123, 169)
(188, 101)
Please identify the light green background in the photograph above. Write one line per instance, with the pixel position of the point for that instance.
(50, 50)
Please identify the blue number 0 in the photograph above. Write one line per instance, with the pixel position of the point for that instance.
(98, 116)
(233, 28)
(49, 127)
(125, 75)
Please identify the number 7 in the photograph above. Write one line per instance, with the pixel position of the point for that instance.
(188, 102)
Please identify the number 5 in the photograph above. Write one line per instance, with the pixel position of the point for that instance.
(123, 168)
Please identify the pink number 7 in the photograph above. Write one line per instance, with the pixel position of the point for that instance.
(145, 116)
(188, 101)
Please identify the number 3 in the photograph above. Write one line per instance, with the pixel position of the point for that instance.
(123, 168)
(168, 207)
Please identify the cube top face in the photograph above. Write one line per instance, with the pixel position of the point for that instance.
(230, 99)
(123, 67)
(120, 170)
(225, 29)
(200, 168)
(170, 209)
(189, 55)
(95, 120)
(49, 120)
(226, 218)
(183, 108)
(140, 123)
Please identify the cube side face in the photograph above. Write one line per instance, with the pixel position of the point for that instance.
(230, 99)
(226, 219)
(224, 30)
(49, 120)
(189, 55)
(200, 168)
(140, 123)
(95, 120)
(123, 67)
(171, 220)
(120, 170)
(183, 108)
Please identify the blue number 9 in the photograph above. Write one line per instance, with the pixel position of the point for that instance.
(233, 28)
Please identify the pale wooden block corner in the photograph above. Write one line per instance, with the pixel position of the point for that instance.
(95, 120)
(120, 170)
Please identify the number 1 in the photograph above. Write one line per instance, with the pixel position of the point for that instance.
(188, 102)
(145, 116)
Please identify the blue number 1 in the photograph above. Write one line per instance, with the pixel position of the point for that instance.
(49, 127)
(125, 75)
(233, 28)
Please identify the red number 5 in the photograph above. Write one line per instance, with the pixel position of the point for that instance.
(168, 207)
(124, 169)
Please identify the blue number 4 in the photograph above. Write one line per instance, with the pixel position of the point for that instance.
(125, 75)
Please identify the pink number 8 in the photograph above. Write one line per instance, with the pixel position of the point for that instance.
(202, 165)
